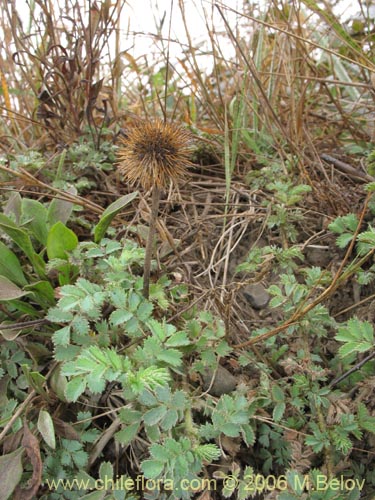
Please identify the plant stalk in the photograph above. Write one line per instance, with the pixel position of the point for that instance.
(150, 240)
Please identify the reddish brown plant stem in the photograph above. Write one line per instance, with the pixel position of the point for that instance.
(150, 240)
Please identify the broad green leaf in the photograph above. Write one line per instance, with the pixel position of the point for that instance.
(297, 481)
(60, 210)
(96, 380)
(22, 240)
(34, 217)
(163, 394)
(344, 223)
(56, 315)
(66, 353)
(46, 428)
(344, 239)
(109, 213)
(147, 398)
(25, 308)
(157, 329)
(10, 266)
(9, 291)
(10, 472)
(13, 206)
(60, 241)
(132, 327)
(357, 335)
(153, 433)
(43, 292)
(133, 301)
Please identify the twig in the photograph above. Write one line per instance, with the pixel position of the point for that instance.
(17, 414)
(23, 324)
(346, 168)
(26, 176)
(352, 370)
(100, 444)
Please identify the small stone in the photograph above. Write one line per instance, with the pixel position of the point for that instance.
(257, 295)
(318, 256)
(224, 381)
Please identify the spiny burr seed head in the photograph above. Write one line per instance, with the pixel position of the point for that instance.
(154, 153)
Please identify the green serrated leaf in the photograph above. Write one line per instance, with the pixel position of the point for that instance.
(171, 357)
(278, 411)
(74, 388)
(62, 336)
(127, 434)
(153, 416)
(60, 241)
(230, 429)
(144, 310)
(120, 316)
(152, 468)
(277, 394)
(248, 434)
(344, 223)
(56, 315)
(169, 420)
(106, 471)
(178, 339)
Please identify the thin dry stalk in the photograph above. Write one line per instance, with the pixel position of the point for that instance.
(150, 240)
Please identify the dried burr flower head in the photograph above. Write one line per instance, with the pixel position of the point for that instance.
(155, 153)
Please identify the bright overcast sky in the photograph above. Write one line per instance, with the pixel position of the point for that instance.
(140, 20)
